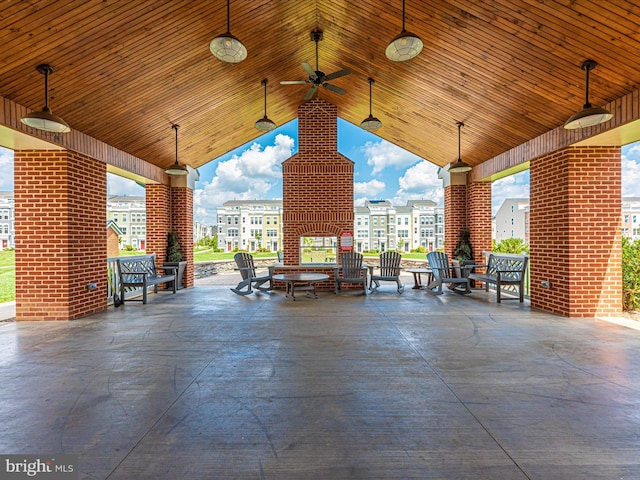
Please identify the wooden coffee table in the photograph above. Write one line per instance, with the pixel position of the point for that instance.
(303, 282)
(417, 280)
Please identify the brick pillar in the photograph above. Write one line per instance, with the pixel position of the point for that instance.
(575, 239)
(455, 216)
(61, 242)
(182, 224)
(479, 218)
(158, 207)
(317, 182)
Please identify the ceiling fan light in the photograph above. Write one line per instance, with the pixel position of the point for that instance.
(588, 117)
(264, 124)
(370, 123)
(45, 120)
(404, 47)
(228, 48)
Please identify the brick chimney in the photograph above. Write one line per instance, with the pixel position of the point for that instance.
(317, 182)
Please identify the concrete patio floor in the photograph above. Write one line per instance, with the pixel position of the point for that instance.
(206, 384)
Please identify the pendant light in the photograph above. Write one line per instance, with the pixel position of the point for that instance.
(405, 46)
(176, 168)
(264, 124)
(227, 47)
(589, 115)
(370, 123)
(45, 119)
(459, 166)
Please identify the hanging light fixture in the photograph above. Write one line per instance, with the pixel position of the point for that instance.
(176, 168)
(264, 124)
(589, 115)
(370, 123)
(227, 47)
(405, 46)
(45, 119)
(459, 166)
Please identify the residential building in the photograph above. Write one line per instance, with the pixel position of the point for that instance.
(250, 225)
(631, 217)
(7, 221)
(129, 213)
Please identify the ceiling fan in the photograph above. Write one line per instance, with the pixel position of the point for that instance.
(318, 77)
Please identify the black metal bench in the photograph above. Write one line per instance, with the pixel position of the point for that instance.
(503, 269)
(140, 272)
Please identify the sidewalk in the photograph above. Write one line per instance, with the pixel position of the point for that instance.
(7, 311)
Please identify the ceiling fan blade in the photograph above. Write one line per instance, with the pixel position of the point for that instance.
(293, 82)
(309, 70)
(310, 93)
(333, 88)
(338, 74)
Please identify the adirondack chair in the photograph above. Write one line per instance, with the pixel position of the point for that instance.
(244, 263)
(443, 272)
(352, 271)
(389, 270)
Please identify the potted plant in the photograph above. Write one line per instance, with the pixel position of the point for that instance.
(463, 253)
(174, 257)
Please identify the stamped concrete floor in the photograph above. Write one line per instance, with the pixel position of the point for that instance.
(206, 384)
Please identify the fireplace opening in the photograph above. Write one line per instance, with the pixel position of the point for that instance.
(315, 250)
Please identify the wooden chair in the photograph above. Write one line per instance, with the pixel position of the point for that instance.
(443, 272)
(389, 270)
(352, 271)
(244, 262)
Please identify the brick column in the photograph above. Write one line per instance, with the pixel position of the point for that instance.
(182, 224)
(61, 241)
(575, 238)
(455, 216)
(158, 206)
(479, 218)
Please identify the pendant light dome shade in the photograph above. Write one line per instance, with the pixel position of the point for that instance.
(370, 123)
(264, 124)
(589, 115)
(176, 168)
(45, 119)
(227, 47)
(459, 166)
(404, 46)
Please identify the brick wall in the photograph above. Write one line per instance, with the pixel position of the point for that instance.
(575, 232)
(317, 181)
(479, 218)
(182, 224)
(455, 216)
(158, 209)
(60, 205)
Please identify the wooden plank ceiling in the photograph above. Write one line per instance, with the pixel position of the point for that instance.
(125, 71)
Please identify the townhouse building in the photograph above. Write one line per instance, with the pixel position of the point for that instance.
(129, 213)
(7, 221)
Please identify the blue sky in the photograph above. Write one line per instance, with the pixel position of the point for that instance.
(382, 171)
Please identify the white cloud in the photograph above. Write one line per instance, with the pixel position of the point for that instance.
(248, 176)
(383, 154)
(513, 186)
(369, 189)
(117, 185)
(631, 172)
(419, 182)
(6, 165)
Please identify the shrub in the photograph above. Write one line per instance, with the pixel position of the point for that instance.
(630, 274)
(511, 245)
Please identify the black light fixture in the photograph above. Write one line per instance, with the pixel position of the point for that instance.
(589, 115)
(264, 124)
(370, 123)
(459, 166)
(45, 119)
(405, 46)
(227, 47)
(176, 168)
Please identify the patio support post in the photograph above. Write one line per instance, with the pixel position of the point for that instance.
(479, 219)
(61, 241)
(575, 232)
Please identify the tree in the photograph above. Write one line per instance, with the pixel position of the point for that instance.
(630, 274)
(511, 245)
